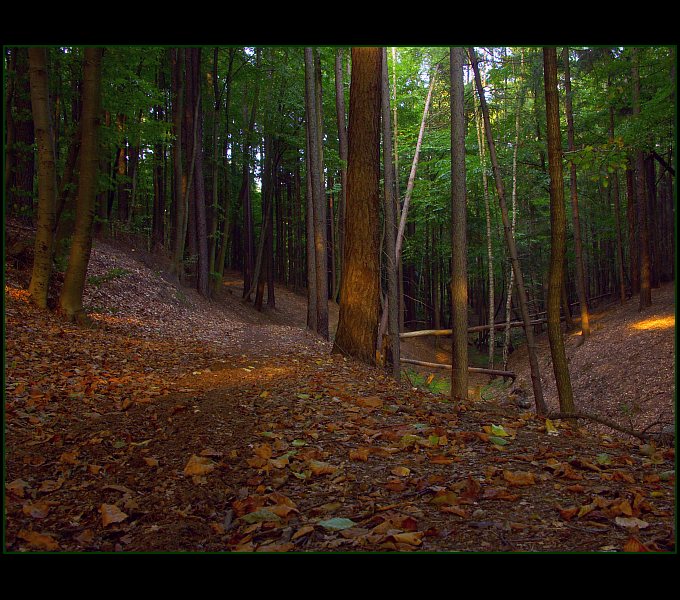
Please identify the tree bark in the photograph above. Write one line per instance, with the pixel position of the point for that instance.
(642, 200)
(541, 408)
(71, 298)
(578, 249)
(390, 226)
(342, 148)
(459, 291)
(558, 233)
(359, 293)
(47, 178)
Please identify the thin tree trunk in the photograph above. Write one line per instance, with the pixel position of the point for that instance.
(642, 200)
(320, 212)
(71, 298)
(508, 302)
(489, 245)
(558, 233)
(342, 143)
(541, 408)
(414, 167)
(459, 292)
(390, 226)
(47, 179)
(617, 216)
(578, 249)
(180, 180)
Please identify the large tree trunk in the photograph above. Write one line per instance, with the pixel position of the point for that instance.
(71, 298)
(557, 235)
(578, 249)
(512, 248)
(360, 289)
(459, 292)
(47, 179)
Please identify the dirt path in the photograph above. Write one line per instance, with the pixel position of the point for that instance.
(188, 425)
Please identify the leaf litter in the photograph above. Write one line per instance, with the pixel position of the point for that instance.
(187, 425)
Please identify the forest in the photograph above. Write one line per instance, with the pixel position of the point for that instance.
(339, 299)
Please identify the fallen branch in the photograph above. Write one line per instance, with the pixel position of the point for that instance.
(474, 329)
(496, 372)
(641, 435)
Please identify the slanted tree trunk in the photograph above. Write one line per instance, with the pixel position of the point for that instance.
(71, 298)
(359, 293)
(47, 178)
(578, 248)
(541, 408)
(459, 292)
(557, 233)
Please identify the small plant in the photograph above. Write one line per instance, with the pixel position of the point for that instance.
(110, 275)
(431, 383)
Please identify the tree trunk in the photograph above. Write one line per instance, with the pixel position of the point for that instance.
(359, 293)
(459, 292)
(342, 143)
(178, 167)
(71, 298)
(578, 250)
(541, 408)
(558, 233)
(642, 200)
(47, 179)
(21, 136)
(390, 226)
(489, 245)
(617, 214)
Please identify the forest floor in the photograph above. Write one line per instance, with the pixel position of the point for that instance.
(179, 424)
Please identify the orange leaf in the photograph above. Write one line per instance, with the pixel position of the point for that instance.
(358, 454)
(152, 462)
(39, 540)
(442, 459)
(519, 478)
(568, 513)
(111, 514)
(370, 402)
(70, 458)
(634, 545)
(264, 451)
(401, 471)
(199, 465)
(321, 468)
(37, 510)
(413, 538)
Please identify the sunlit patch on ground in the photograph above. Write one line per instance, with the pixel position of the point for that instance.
(656, 323)
(116, 320)
(16, 293)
